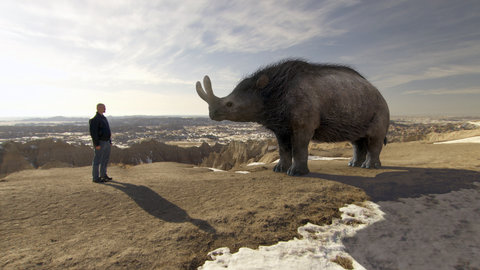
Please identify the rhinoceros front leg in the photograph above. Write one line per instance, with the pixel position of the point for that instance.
(285, 151)
(300, 142)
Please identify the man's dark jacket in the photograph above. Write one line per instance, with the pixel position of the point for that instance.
(99, 129)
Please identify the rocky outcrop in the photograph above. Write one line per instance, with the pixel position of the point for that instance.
(12, 159)
(455, 135)
(46, 153)
(400, 132)
(42, 152)
(153, 151)
(50, 153)
(235, 153)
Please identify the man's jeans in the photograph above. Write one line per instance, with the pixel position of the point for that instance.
(101, 159)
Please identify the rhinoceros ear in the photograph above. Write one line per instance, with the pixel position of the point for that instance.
(262, 81)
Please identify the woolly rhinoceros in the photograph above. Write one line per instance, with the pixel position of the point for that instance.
(302, 101)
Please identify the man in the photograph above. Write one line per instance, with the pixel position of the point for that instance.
(101, 137)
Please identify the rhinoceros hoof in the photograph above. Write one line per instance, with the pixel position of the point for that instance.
(280, 168)
(355, 163)
(371, 165)
(296, 171)
(277, 168)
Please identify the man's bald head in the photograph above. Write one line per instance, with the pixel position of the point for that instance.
(101, 108)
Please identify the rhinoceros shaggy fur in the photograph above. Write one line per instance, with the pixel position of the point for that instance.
(301, 101)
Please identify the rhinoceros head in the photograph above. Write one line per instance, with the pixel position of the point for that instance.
(244, 104)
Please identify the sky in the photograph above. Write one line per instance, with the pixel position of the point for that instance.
(143, 57)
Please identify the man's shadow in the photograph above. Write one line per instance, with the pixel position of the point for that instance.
(406, 182)
(159, 207)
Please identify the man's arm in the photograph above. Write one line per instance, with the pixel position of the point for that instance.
(94, 132)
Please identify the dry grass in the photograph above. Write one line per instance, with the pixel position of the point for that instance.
(343, 262)
(161, 215)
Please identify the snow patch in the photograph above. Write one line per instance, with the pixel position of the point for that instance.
(122, 146)
(212, 169)
(476, 123)
(319, 158)
(317, 249)
(325, 158)
(216, 170)
(475, 139)
(256, 164)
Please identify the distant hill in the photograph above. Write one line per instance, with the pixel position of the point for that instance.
(56, 119)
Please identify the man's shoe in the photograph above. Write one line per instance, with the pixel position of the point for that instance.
(99, 180)
(106, 178)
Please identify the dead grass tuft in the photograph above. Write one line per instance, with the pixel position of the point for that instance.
(343, 262)
(354, 222)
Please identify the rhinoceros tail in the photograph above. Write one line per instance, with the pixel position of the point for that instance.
(385, 141)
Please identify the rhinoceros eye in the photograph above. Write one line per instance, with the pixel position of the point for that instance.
(229, 104)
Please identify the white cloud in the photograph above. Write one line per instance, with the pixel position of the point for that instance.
(123, 43)
(164, 47)
(444, 91)
(389, 70)
(142, 29)
(434, 72)
(253, 26)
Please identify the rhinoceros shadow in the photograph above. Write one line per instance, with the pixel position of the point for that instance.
(406, 182)
(159, 207)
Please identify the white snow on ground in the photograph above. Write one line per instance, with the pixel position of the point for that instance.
(319, 158)
(212, 169)
(255, 164)
(475, 139)
(435, 231)
(276, 161)
(318, 248)
(216, 170)
(476, 123)
(325, 158)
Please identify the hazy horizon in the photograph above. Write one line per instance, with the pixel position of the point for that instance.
(144, 57)
(392, 117)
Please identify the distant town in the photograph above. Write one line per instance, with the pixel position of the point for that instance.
(191, 131)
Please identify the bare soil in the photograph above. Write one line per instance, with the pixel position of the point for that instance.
(170, 215)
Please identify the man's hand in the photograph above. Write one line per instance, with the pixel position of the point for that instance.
(98, 147)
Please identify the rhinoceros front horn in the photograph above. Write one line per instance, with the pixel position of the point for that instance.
(206, 95)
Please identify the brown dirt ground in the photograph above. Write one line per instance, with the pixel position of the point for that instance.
(170, 215)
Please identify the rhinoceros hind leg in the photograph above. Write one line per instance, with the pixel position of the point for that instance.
(359, 153)
(374, 147)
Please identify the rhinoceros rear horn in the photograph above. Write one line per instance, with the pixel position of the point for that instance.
(208, 86)
(206, 94)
